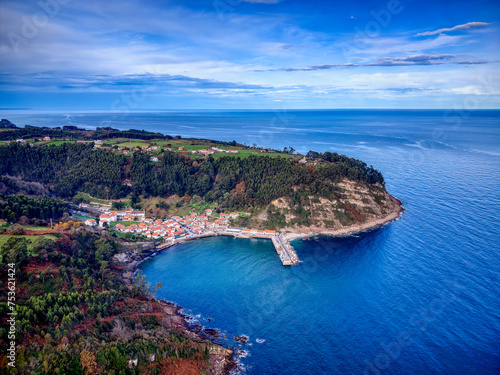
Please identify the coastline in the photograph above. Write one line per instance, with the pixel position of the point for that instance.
(223, 359)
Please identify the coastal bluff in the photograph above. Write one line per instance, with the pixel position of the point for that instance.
(358, 207)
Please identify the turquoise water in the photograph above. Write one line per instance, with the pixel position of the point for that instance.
(417, 296)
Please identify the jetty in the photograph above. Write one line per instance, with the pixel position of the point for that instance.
(287, 254)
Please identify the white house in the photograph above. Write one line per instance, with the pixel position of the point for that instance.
(91, 222)
(107, 218)
(206, 152)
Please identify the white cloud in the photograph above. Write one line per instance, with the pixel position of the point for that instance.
(465, 26)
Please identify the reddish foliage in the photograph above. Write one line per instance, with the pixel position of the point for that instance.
(354, 214)
(181, 366)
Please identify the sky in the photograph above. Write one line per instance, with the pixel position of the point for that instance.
(249, 54)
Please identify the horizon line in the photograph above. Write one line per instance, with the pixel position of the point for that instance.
(243, 109)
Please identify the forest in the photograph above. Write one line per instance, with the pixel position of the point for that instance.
(13, 207)
(66, 168)
(75, 314)
(232, 182)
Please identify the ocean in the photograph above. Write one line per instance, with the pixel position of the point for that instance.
(417, 296)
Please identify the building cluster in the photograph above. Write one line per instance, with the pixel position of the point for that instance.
(175, 227)
(108, 215)
(129, 215)
(169, 229)
(213, 150)
(142, 148)
(21, 141)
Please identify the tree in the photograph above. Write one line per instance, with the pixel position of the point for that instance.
(313, 154)
(15, 251)
(89, 362)
(142, 287)
(81, 198)
(118, 205)
(23, 220)
(120, 331)
(104, 251)
(18, 231)
(135, 199)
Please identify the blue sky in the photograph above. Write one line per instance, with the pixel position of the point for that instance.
(253, 54)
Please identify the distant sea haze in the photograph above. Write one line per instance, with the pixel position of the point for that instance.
(417, 296)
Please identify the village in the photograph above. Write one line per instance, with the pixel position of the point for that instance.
(177, 228)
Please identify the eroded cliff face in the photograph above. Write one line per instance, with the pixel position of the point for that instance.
(357, 207)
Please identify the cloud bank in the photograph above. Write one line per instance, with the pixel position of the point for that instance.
(411, 60)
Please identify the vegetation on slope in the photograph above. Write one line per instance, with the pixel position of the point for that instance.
(75, 315)
(13, 207)
(232, 182)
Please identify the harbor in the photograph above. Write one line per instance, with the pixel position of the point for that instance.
(285, 250)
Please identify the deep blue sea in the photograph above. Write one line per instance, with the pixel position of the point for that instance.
(420, 295)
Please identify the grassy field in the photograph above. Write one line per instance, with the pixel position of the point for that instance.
(33, 227)
(82, 217)
(200, 145)
(58, 142)
(126, 201)
(174, 144)
(133, 143)
(28, 227)
(189, 145)
(201, 207)
(128, 236)
(126, 223)
(114, 141)
(151, 202)
(92, 199)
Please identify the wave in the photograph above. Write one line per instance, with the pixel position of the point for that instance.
(241, 353)
(485, 152)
